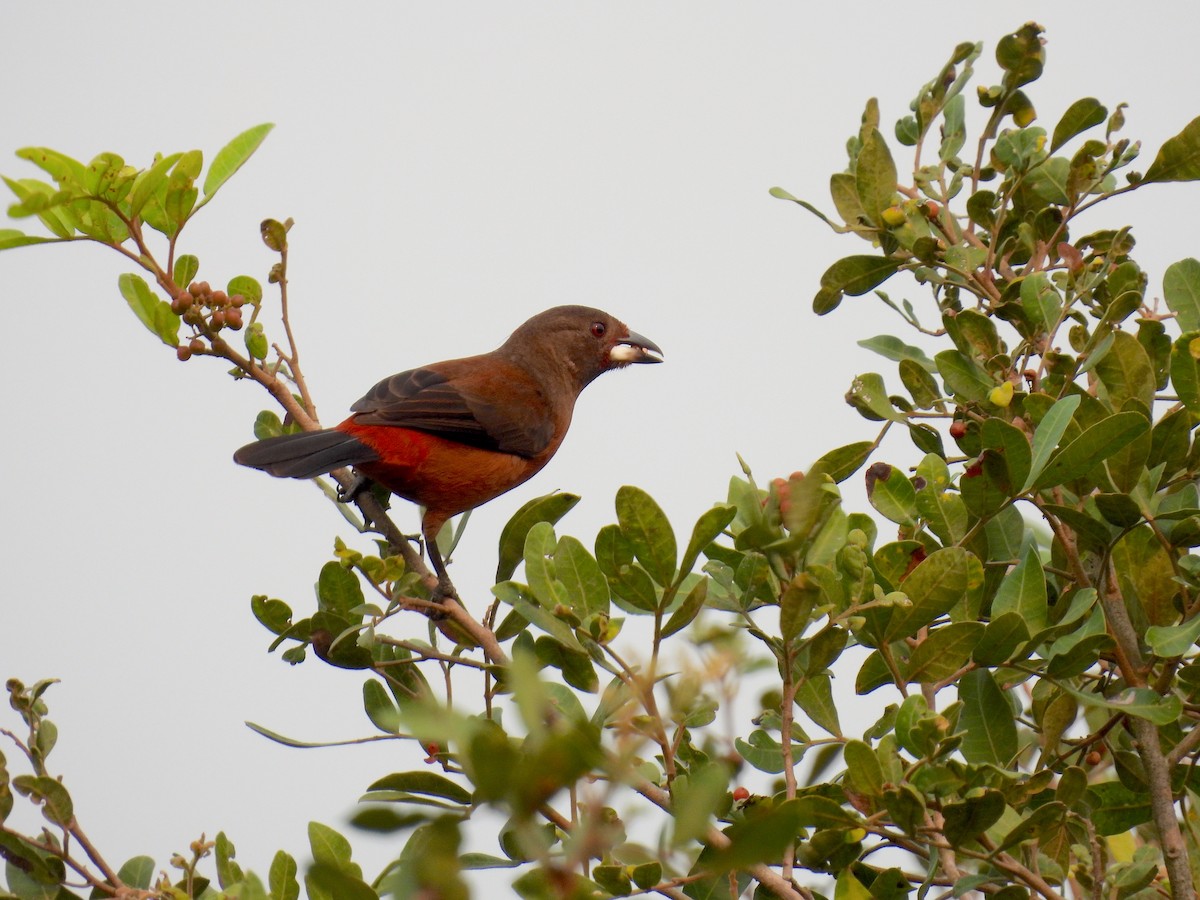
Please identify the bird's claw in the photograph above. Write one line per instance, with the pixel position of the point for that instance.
(348, 493)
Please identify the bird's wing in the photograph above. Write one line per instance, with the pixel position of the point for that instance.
(481, 406)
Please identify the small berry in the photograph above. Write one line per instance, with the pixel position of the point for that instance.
(237, 300)
(217, 319)
(740, 794)
(183, 354)
(196, 345)
(958, 429)
(233, 318)
(219, 298)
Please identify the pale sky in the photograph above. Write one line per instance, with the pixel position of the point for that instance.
(452, 169)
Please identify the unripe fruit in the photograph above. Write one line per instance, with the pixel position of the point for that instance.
(217, 319)
(196, 345)
(233, 318)
(237, 300)
(893, 217)
(183, 354)
(180, 303)
(219, 298)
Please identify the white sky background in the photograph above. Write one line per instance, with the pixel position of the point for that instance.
(452, 169)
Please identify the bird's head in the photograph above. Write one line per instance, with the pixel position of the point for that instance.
(583, 341)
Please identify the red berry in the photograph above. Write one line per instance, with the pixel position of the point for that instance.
(740, 794)
(217, 319)
(183, 354)
(196, 345)
(958, 428)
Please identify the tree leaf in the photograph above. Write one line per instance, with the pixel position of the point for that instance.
(843, 462)
(708, 528)
(549, 508)
(688, 610)
(1173, 640)
(152, 312)
(875, 175)
(1143, 702)
(852, 275)
(892, 494)
(1126, 372)
(890, 346)
(944, 652)
(1049, 432)
(428, 783)
(990, 731)
(649, 532)
(1092, 447)
(963, 376)
(1023, 591)
(696, 801)
(934, 587)
(578, 572)
(1185, 370)
(1081, 115)
(1179, 158)
(380, 707)
(864, 774)
(1181, 291)
(282, 877)
(233, 156)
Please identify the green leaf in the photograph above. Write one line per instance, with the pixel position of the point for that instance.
(1179, 157)
(920, 384)
(331, 848)
(944, 652)
(248, 287)
(1091, 448)
(688, 610)
(646, 526)
(1185, 370)
(893, 348)
(933, 587)
(580, 575)
(537, 615)
(338, 590)
(1116, 809)
(1181, 291)
(708, 528)
(1023, 591)
(964, 377)
(815, 697)
(10, 238)
(762, 837)
(843, 462)
(1049, 432)
(875, 175)
(1145, 703)
(1126, 372)
(966, 819)
(869, 396)
(990, 730)
(138, 872)
(228, 871)
(154, 313)
(1081, 115)
(852, 275)
(892, 494)
(282, 877)
(696, 801)
(232, 156)
(147, 184)
(49, 793)
(549, 508)
(864, 774)
(1010, 443)
(1173, 640)
(186, 268)
(380, 707)
(428, 783)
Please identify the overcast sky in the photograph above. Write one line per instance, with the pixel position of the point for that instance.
(452, 169)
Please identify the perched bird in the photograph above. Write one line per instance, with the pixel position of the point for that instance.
(453, 435)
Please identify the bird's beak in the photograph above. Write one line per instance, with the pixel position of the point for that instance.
(633, 348)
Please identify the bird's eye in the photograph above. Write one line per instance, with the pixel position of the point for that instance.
(598, 329)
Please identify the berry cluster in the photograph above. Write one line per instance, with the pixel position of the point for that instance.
(207, 311)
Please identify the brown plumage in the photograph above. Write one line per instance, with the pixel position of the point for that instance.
(452, 435)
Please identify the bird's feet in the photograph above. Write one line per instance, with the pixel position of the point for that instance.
(349, 493)
(444, 591)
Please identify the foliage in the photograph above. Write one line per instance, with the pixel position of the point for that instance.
(1029, 631)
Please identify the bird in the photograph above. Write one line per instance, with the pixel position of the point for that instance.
(452, 435)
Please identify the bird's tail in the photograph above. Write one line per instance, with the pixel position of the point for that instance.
(305, 454)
